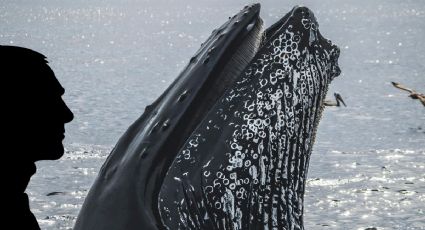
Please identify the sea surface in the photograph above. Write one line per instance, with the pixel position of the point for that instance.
(114, 57)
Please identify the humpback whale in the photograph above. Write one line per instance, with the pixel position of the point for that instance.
(227, 145)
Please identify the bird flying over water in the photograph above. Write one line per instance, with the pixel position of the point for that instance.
(413, 94)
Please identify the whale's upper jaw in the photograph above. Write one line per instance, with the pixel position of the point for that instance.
(135, 168)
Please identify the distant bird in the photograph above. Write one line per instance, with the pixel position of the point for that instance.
(338, 99)
(413, 94)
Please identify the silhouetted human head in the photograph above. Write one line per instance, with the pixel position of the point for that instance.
(34, 109)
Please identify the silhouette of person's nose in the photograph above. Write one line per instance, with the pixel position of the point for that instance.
(67, 114)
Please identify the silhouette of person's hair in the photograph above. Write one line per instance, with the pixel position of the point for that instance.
(35, 116)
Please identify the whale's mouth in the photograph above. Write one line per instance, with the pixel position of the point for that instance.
(250, 41)
(226, 59)
(236, 58)
(144, 154)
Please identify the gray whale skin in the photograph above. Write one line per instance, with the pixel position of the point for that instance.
(227, 145)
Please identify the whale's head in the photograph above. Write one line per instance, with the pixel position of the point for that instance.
(228, 143)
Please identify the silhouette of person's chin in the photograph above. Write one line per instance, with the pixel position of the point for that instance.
(36, 115)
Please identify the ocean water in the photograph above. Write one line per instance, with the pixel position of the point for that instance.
(114, 57)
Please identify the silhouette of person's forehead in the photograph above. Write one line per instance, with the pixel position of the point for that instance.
(28, 72)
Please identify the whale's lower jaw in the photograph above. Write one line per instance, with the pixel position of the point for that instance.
(227, 145)
(245, 165)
